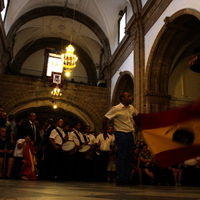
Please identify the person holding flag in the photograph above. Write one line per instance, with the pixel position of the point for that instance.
(123, 115)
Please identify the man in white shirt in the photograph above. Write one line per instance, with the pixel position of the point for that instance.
(57, 138)
(89, 135)
(105, 143)
(88, 152)
(76, 135)
(105, 146)
(123, 115)
(77, 159)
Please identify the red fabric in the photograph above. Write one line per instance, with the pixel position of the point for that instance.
(29, 171)
(168, 152)
(169, 117)
(174, 156)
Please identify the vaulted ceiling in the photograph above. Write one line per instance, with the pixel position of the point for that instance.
(90, 25)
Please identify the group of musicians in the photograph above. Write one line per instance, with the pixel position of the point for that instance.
(73, 153)
(62, 153)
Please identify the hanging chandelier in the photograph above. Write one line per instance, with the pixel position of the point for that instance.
(56, 93)
(69, 60)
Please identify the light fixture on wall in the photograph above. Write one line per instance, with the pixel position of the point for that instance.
(69, 57)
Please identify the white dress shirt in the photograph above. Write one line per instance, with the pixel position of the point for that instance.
(123, 117)
(105, 144)
(72, 137)
(55, 135)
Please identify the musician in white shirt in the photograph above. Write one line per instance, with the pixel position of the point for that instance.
(76, 159)
(105, 145)
(57, 138)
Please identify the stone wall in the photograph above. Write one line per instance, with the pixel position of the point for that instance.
(89, 103)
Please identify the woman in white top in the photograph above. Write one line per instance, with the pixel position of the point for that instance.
(19, 154)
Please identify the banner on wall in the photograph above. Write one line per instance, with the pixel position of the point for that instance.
(173, 136)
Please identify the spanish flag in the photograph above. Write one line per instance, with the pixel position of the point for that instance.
(173, 136)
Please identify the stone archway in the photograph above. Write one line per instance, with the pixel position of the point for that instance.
(88, 103)
(123, 84)
(70, 106)
(180, 33)
(44, 110)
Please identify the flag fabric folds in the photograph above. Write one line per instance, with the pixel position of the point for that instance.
(173, 136)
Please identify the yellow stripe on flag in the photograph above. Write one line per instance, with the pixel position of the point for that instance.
(173, 136)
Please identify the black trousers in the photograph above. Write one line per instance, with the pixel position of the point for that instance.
(57, 166)
(101, 166)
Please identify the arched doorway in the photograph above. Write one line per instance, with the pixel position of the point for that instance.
(123, 84)
(172, 50)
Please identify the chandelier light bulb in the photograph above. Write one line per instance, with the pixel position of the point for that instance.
(55, 106)
(67, 74)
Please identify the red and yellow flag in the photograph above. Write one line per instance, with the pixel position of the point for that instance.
(173, 136)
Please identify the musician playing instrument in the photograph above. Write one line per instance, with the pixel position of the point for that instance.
(57, 138)
(105, 146)
(89, 164)
(76, 159)
(76, 135)
(90, 136)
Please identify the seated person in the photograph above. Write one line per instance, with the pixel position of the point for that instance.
(135, 164)
(138, 145)
(193, 162)
(177, 172)
(147, 162)
(191, 171)
(6, 155)
(20, 162)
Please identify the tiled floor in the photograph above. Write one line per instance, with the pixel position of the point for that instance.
(46, 190)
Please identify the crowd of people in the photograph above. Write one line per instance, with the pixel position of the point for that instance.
(146, 171)
(54, 150)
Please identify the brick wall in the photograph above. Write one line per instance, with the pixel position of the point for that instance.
(18, 93)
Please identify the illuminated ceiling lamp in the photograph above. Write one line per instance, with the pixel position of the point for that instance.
(56, 93)
(69, 58)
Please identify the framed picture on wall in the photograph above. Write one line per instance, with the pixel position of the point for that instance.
(56, 79)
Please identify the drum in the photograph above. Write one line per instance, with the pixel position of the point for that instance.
(87, 152)
(69, 147)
